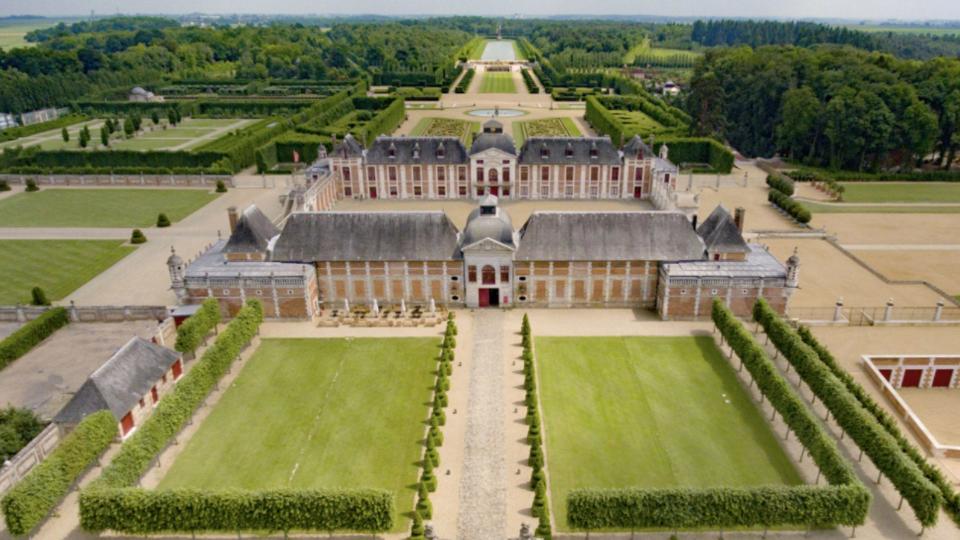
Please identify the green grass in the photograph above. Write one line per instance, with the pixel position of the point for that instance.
(318, 413)
(830, 208)
(497, 82)
(637, 122)
(13, 31)
(59, 267)
(549, 127)
(446, 127)
(100, 207)
(475, 48)
(517, 52)
(907, 29)
(650, 412)
(905, 192)
(643, 53)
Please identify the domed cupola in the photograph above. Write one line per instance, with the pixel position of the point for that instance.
(488, 220)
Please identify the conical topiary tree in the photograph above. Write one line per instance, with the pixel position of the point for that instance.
(543, 527)
(429, 479)
(137, 237)
(432, 452)
(163, 220)
(416, 530)
(436, 435)
(38, 297)
(424, 506)
(539, 500)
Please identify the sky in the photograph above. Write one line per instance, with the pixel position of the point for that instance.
(847, 9)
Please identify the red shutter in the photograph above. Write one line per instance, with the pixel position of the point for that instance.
(126, 424)
(177, 370)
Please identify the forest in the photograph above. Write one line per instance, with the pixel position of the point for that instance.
(826, 105)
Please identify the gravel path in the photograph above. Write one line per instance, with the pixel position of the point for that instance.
(483, 504)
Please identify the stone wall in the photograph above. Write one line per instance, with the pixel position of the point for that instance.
(586, 283)
(29, 457)
(144, 180)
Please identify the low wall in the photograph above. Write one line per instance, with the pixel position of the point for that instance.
(873, 365)
(146, 180)
(87, 313)
(29, 457)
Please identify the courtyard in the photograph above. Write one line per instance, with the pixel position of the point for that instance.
(650, 412)
(318, 413)
(100, 207)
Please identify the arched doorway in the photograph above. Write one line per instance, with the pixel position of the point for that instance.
(488, 275)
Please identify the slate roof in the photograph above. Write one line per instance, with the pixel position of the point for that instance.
(609, 236)
(606, 153)
(252, 234)
(367, 236)
(424, 148)
(497, 226)
(634, 145)
(120, 382)
(348, 148)
(759, 263)
(720, 233)
(487, 140)
(213, 264)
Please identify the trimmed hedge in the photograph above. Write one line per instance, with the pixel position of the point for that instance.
(139, 511)
(175, 409)
(464, 83)
(13, 133)
(681, 508)
(796, 210)
(31, 334)
(780, 183)
(385, 121)
(528, 80)
(194, 330)
(29, 502)
(921, 494)
(950, 497)
(845, 502)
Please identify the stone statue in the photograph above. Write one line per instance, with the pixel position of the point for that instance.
(428, 532)
(525, 532)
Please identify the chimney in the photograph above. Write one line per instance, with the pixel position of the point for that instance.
(738, 215)
(694, 222)
(234, 217)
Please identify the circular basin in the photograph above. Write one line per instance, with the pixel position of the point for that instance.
(490, 113)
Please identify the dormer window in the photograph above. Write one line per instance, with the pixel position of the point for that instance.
(440, 151)
(392, 151)
(416, 151)
(640, 153)
(544, 152)
(594, 153)
(569, 151)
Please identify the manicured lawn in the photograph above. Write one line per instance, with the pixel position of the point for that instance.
(650, 412)
(51, 207)
(831, 208)
(318, 413)
(59, 267)
(905, 192)
(637, 122)
(446, 127)
(497, 82)
(548, 127)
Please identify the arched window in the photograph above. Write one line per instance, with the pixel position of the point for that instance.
(492, 176)
(489, 275)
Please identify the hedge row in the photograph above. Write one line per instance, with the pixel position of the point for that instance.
(29, 335)
(780, 183)
(139, 511)
(30, 501)
(538, 481)
(697, 150)
(950, 497)
(438, 418)
(856, 176)
(385, 121)
(845, 502)
(464, 83)
(175, 409)
(796, 210)
(658, 111)
(13, 133)
(194, 330)
(532, 86)
(835, 188)
(923, 496)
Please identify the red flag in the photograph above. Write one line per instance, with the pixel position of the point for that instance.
(296, 156)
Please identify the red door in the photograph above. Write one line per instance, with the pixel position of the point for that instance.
(942, 378)
(373, 192)
(177, 370)
(494, 190)
(638, 192)
(911, 378)
(126, 423)
(886, 373)
(484, 297)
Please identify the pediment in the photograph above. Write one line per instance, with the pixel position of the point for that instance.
(492, 153)
(488, 245)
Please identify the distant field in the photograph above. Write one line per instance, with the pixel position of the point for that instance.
(12, 31)
(644, 53)
(51, 207)
(549, 127)
(318, 413)
(650, 412)
(446, 127)
(497, 82)
(59, 267)
(903, 192)
(933, 30)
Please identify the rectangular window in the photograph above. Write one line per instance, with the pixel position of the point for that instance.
(392, 173)
(346, 173)
(441, 190)
(524, 174)
(442, 174)
(472, 274)
(347, 192)
(479, 192)
(416, 174)
(479, 174)
(417, 191)
(638, 174)
(371, 174)
(506, 192)
(569, 172)
(615, 173)
(462, 174)
(594, 174)
(544, 174)
(463, 191)
(504, 274)
(506, 174)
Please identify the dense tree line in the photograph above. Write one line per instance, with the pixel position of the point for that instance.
(828, 105)
(804, 34)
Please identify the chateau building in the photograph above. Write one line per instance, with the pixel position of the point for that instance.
(324, 260)
(543, 168)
